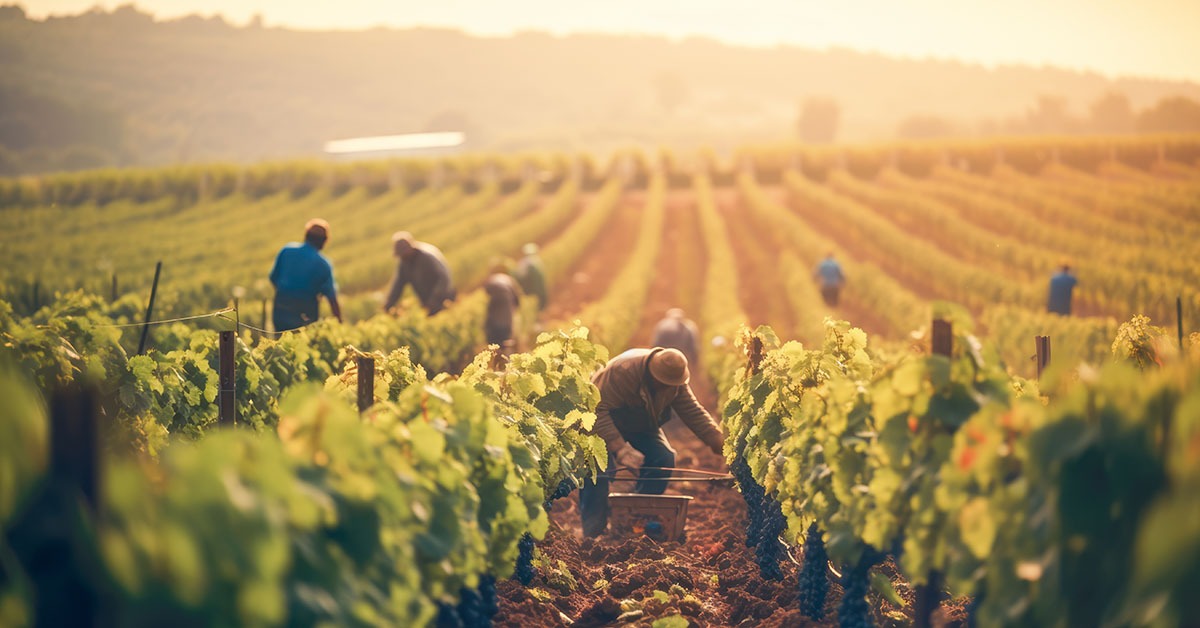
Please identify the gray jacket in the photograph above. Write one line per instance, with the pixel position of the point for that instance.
(429, 276)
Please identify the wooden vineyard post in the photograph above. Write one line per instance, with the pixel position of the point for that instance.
(149, 309)
(227, 394)
(366, 382)
(928, 595)
(942, 341)
(1043, 354)
(36, 285)
(264, 315)
(114, 288)
(74, 443)
(74, 472)
(1179, 321)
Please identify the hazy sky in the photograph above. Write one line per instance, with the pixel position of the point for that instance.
(1158, 38)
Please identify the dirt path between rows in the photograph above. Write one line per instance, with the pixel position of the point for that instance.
(589, 279)
(759, 282)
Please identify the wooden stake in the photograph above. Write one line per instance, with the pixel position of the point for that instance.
(1043, 353)
(928, 595)
(75, 472)
(227, 394)
(366, 382)
(114, 287)
(1179, 320)
(74, 443)
(942, 341)
(149, 309)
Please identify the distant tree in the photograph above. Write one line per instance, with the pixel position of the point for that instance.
(1171, 115)
(818, 121)
(11, 12)
(1050, 115)
(454, 120)
(1112, 113)
(926, 126)
(671, 91)
(129, 16)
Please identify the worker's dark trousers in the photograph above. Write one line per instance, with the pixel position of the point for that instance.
(593, 496)
(830, 294)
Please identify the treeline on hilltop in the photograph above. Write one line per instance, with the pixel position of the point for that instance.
(120, 88)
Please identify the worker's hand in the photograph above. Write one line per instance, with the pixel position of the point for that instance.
(627, 456)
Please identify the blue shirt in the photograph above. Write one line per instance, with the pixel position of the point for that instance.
(830, 273)
(301, 272)
(1060, 293)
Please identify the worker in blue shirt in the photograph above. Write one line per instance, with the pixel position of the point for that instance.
(1061, 285)
(300, 275)
(829, 272)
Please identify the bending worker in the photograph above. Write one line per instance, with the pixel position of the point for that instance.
(422, 265)
(300, 275)
(504, 300)
(638, 391)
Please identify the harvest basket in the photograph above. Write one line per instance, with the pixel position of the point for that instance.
(660, 517)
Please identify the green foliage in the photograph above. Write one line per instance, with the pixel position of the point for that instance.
(1071, 508)
(338, 519)
(1137, 341)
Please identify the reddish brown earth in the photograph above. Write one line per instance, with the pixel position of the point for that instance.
(592, 273)
(710, 578)
(679, 281)
(758, 269)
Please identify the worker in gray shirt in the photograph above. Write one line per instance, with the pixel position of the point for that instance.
(422, 266)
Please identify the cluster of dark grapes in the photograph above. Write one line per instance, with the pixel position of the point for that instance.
(475, 609)
(814, 583)
(447, 616)
(768, 550)
(765, 521)
(753, 494)
(854, 612)
(525, 570)
(563, 489)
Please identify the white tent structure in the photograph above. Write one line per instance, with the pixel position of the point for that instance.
(407, 145)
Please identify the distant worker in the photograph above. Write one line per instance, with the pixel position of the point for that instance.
(300, 275)
(1061, 285)
(829, 272)
(531, 275)
(423, 266)
(639, 389)
(677, 332)
(504, 300)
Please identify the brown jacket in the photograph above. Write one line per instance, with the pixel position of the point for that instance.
(623, 385)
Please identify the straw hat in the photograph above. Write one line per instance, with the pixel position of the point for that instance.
(670, 367)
